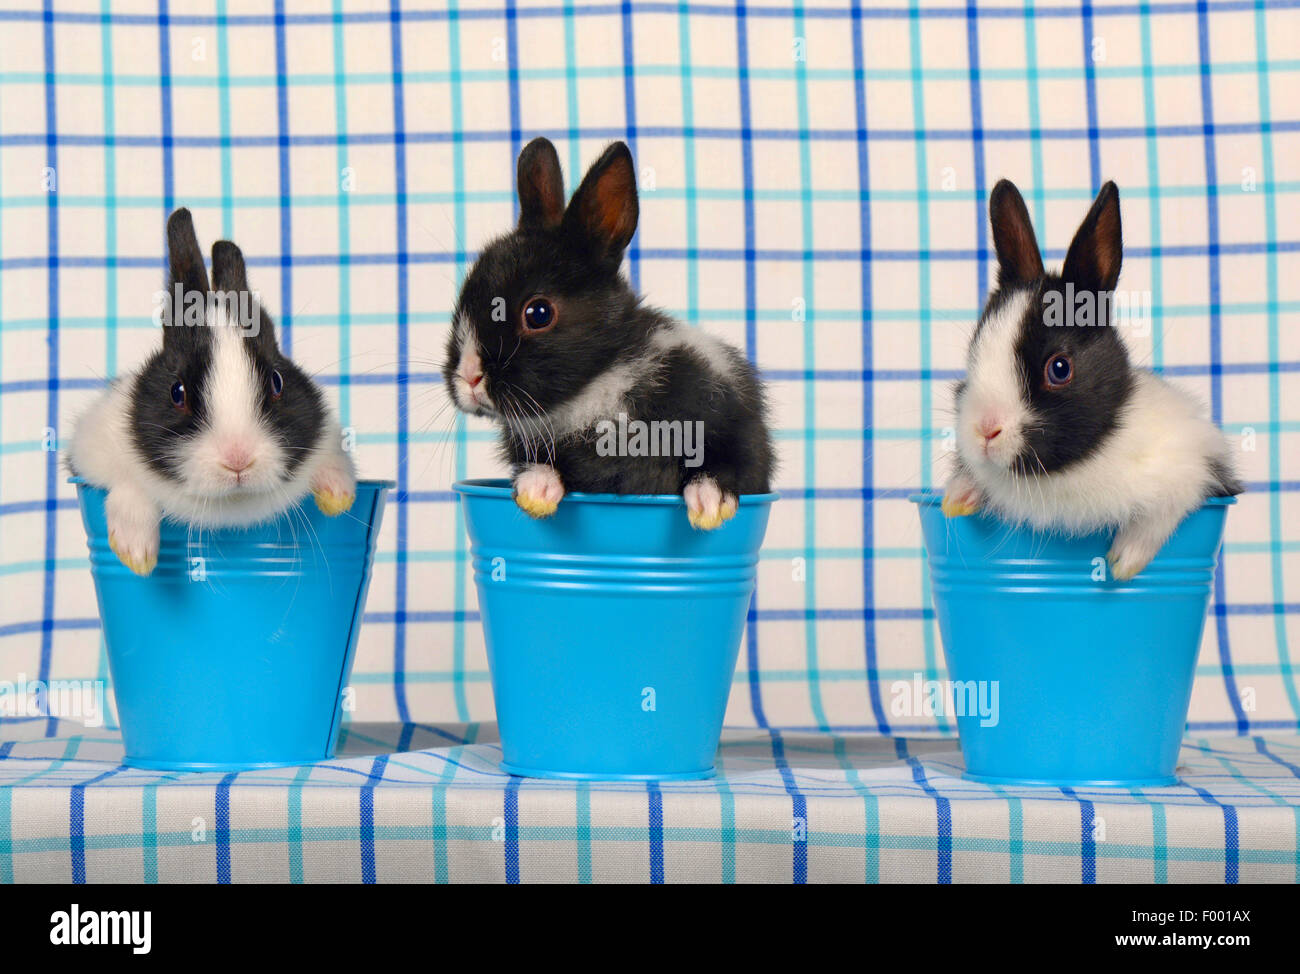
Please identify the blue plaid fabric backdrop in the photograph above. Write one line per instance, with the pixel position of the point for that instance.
(813, 181)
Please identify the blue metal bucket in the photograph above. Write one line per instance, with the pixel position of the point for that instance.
(234, 653)
(1092, 677)
(612, 629)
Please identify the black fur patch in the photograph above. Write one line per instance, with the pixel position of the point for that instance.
(1226, 482)
(1074, 419)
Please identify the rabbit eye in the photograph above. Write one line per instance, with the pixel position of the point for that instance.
(277, 384)
(539, 315)
(178, 395)
(1058, 372)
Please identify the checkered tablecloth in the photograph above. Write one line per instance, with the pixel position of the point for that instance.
(813, 187)
(424, 802)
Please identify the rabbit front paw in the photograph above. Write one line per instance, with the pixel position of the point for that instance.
(961, 498)
(1128, 556)
(1131, 551)
(334, 486)
(708, 506)
(132, 530)
(538, 490)
(1139, 541)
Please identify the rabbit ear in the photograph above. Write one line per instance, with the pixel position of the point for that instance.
(184, 258)
(230, 280)
(228, 271)
(1092, 262)
(541, 185)
(604, 209)
(185, 301)
(1013, 236)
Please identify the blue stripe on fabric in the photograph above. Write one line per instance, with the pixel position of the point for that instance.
(809, 350)
(722, 254)
(441, 864)
(512, 76)
(655, 831)
(1032, 75)
(285, 329)
(870, 649)
(112, 337)
(223, 117)
(510, 847)
(1155, 231)
(571, 89)
(77, 832)
(751, 302)
(403, 370)
(570, 70)
(798, 810)
(366, 819)
(690, 170)
(1261, 747)
(293, 827)
(1272, 281)
(629, 116)
(870, 811)
(52, 364)
(77, 823)
(1231, 836)
(1087, 841)
(726, 825)
(459, 221)
(977, 136)
(702, 9)
(925, 289)
(943, 820)
(149, 831)
(1015, 836)
(1216, 336)
(1159, 844)
(827, 134)
(221, 826)
(1276, 561)
(1090, 97)
(343, 208)
(165, 141)
(582, 828)
(405, 737)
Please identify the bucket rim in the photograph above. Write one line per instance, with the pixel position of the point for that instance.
(367, 482)
(926, 498)
(499, 487)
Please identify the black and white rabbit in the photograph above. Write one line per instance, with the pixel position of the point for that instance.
(550, 341)
(218, 427)
(1055, 428)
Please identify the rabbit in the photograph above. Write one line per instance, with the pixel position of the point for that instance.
(549, 340)
(1055, 428)
(218, 428)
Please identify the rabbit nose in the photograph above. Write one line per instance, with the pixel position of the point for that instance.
(237, 460)
(474, 379)
(989, 430)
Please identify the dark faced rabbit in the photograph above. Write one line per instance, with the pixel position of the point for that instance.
(1055, 428)
(216, 428)
(550, 341)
